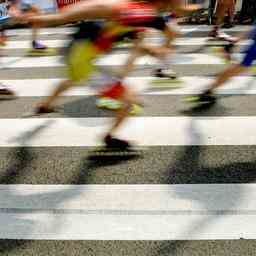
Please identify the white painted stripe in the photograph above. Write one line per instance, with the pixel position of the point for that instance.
(201, 41)
(147, 131)
(196, 84)
(177, 59)
(111, 60)
(197, 41)
(43, 31)
(43, 87)
(45, 226)
(190, 85)
(29, 62)
(26, 44)
(173, 198)
(129, 212)
(191, 41)
(70, 30)
(206, 28)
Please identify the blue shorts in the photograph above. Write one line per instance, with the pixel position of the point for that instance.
(250, 53)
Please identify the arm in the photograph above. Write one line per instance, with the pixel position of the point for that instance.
(77, 12)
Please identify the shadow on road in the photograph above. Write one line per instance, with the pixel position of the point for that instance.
(191, 169)
(21, 158)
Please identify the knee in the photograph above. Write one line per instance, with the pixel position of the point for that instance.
(35, 10)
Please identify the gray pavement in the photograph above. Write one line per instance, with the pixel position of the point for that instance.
(155, 105)
(159, 165)
(130, 248)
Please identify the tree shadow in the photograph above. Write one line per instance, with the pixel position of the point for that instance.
(15, 220)
(190, 168)
(83, 107)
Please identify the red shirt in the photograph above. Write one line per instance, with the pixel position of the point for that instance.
(133, 13)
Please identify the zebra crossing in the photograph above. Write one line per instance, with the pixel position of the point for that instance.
(193, 193)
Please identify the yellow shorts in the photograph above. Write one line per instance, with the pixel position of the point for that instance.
(80, 61)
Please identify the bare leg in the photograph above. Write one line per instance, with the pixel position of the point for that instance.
(234, 70)
(63, 86)
(208, 95)
(232, 11)
(35, 31)
(127, 99)
(220, 14)
(34, 34)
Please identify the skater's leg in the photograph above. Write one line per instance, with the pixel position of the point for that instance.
(79, 66)
(237, 69)
(232, 71)
(129, 65)
(128, 99)
(63, 86)
(35, 11)
(36, 45)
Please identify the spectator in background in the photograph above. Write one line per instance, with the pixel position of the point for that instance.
(229, 23)
(222, 7)
(248, 11)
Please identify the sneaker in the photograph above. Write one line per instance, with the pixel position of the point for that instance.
(43, 110)
(5, 92)
(206, 98)
(166, 79)
(223, 36)
(228, 25)
(213, 33)
(136, 110)
(115, 143)
(108, 103)
(38, 46)
(165, 73)
(220, 35)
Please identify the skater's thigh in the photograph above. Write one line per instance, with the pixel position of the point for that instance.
(80, 60)
(252, 35)
(250, 55)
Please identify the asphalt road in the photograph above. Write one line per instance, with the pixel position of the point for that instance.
(174, 164)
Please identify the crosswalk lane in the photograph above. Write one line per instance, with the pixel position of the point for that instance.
(68, 132)
(116, 59)
(143, 85)
(63, 43)
(209, 151)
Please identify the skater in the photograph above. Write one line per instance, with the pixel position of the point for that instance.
(20, 7)
(234, 70)
(97, 39)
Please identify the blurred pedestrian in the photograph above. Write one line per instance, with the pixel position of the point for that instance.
(222, 7)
